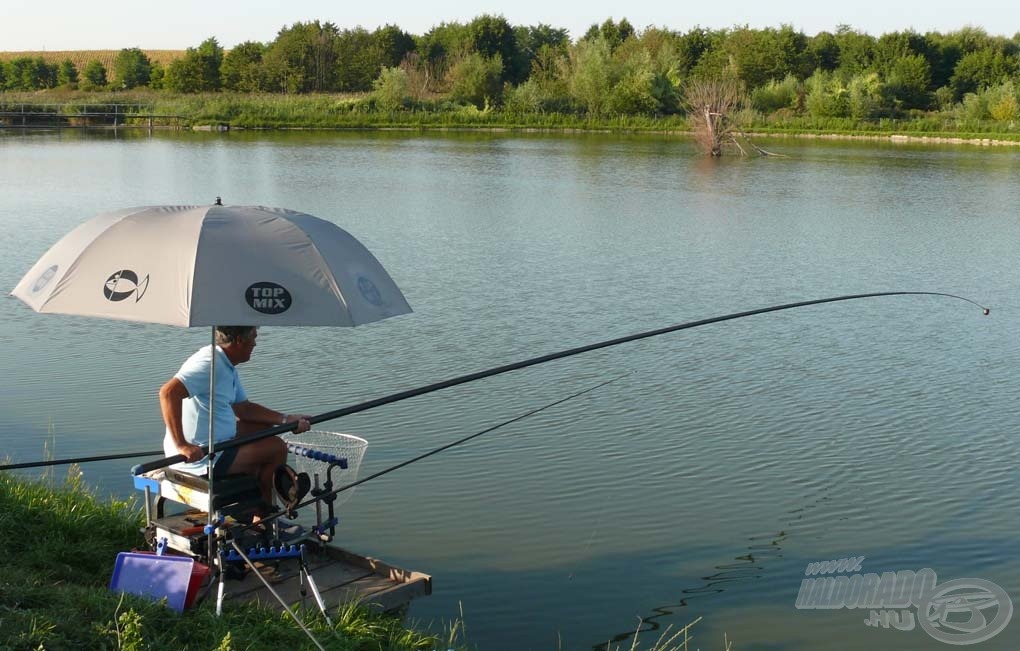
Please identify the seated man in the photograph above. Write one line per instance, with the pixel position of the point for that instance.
(184, 400)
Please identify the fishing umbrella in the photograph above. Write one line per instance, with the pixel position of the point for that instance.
(212, 265)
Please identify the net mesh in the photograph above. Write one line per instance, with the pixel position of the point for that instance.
(347, 446)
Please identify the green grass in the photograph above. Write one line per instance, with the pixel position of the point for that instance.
(357, 111)
(58, 544)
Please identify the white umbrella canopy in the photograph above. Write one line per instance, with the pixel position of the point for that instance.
(212, 265)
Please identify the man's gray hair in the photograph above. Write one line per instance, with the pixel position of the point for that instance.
(226, 335)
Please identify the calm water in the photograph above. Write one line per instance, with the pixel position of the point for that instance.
(700, 484)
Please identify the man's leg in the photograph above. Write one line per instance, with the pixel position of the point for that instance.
(259, 458)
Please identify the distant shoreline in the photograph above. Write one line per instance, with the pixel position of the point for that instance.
(893, 138)
(896, 138)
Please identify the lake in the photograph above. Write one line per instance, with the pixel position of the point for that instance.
(701, 483)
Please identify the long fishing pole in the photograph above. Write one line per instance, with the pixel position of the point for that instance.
(64, 462)
(471, 377)
(325, 496)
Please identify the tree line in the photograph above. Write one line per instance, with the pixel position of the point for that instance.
(613, 69)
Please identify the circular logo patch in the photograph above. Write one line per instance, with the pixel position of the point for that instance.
(268, 298)
(124, 284)
(369, 291)
(956, 612)
(44, 278)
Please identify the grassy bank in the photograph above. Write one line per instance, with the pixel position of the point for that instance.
(58, 544)
(359, 111)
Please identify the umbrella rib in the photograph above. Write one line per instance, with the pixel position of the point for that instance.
(325, 262)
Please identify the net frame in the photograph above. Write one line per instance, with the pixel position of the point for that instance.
(338, 444)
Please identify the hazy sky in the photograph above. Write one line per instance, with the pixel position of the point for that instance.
(114, 24)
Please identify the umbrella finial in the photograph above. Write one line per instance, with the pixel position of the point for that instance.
(219, 201)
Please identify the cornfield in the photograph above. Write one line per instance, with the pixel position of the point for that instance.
(81, 58)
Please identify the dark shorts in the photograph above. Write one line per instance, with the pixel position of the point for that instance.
(224, 460)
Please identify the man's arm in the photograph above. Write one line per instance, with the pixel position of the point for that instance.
(171, 397)
(253, 412)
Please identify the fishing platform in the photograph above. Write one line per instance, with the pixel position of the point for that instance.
(279, 565)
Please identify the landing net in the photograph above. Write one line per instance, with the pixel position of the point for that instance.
(332, 444)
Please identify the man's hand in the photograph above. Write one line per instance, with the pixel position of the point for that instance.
(191, 452)
(301, 419)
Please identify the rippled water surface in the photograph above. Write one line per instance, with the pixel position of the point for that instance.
(703, 482)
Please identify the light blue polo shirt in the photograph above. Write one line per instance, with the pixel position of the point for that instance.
(194, 375)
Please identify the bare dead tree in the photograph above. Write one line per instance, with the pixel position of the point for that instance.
(711, 104)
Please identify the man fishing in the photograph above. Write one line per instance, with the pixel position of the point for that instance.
(184, 401)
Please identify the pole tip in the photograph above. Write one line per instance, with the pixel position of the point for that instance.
(986, 311)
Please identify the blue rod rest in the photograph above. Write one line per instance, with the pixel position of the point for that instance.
(264, 553)
(332, 522)
(325, 457)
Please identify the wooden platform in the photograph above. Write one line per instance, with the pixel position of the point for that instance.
(341, 576)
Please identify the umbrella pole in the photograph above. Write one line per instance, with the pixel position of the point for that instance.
(210, 529)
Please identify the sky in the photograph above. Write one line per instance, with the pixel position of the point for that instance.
(114, 24)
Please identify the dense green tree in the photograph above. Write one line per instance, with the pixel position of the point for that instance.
(944, 55)
(363, 55)
(894, 46)
(776, 95)
(12, 73)
(762, 55)
(1002, 102)
(93, 76)
(592, 75)
(67, 74)
(184, 75)
(211, 56)
(444, 41)
(392, 44)
(864, 95)
(493, 36)
(635, 90)
(612, 32)
(197, 71)
(822, 52)
(980, 69)
(715, 63)
(359, 60)
(827, 96)
(537, 45)
(156, 74)
(477, 80)
(131, 68)
(693, 45)
(649, 67)
(856, 50)
(29, 73)
(242, 67)
(391, 90)
(305, 57)
(908, 82)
